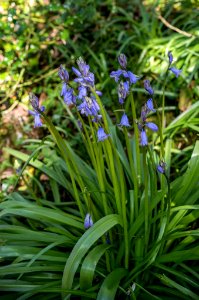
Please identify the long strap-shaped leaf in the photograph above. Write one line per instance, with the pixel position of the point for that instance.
(84, 244)
(110, 285)
(89, 265)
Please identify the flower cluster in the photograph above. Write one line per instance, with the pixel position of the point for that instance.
(146, 109)
(125, 77)
(84, 99)
(37, 110)
(67, 92)
(174, 70)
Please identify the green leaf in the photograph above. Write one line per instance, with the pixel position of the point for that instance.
(89, 265)
(84, 244)
(110, 285)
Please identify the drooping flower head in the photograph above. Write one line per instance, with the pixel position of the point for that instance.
(123, 90)
(122, 60)
(175, 71)
(88, 105)
(142, 124)
(151, 126)
(161, 167)
(63, 74)
(148, 87)
(143, 138)
(170, 56)
(37, 110)
(124, 77)
(68, 94)
(66, 91)
(149, 105)
(88, 222)
(124, 121)
(101, 135)
(84, 76)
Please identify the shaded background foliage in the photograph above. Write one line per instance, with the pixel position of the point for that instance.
(38, 36)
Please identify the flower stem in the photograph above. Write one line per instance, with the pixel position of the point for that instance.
(133, 172)
(146, 200)
(136, 139)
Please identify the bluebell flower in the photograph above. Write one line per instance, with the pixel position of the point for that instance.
(149, 105)
(124, 121)
(89, 106)
(122, 60)
(132, 77)
(170, 57)
(148, 87)
(143, 135)
(69, 97)
(88, 222)
(144, 112)
(37, 110)
(83, 108)
(63, 74)
(161, 167)
(101, 135)
(143, 124)
(126, 74)
(143, 138)
(82, 91)
(152, 126)
(175, 71)
(37, 119)
(123, 90)
(84, 76)
(116, 74)
(83, 67)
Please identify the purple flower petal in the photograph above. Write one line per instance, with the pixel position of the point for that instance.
(37, 121)
(88, 222)
(42, 108)
(101, 135)
(149, 105)
(116, 75)
(148, 87)
(83, 67)
(63, 74)
(69, 98)
(143, 138)
(170, 57)
(33, 113)
(122, 91)
(34, 100)
(152, 126)
(175, 71)
(124, 121)
(122, 60)
(132, 77)
(99, 93)
(82, 91)
(161, 167)
(77, 72)
(64, 89)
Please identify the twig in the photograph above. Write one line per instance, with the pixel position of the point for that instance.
(173, 27)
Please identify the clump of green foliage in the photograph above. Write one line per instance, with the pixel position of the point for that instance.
(143, 243)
